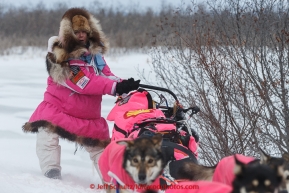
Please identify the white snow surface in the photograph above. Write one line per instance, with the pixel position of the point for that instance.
(23, 82)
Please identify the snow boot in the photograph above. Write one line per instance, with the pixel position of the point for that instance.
(53, 174)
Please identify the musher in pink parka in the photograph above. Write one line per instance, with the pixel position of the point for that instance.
(78, 77)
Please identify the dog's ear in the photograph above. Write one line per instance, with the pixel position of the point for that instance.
(279, 171)
(126, 143)
(157, 140)
(264, 158)
(285, 156)
(239, 166)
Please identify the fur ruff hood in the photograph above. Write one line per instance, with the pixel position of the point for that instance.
(68, 40)
(66, 45)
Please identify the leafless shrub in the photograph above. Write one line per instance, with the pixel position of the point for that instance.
(231, 59)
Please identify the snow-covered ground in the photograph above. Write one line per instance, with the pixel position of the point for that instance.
(23, 82)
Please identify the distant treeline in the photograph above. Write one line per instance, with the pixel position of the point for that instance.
(26, 26)
(128, 28)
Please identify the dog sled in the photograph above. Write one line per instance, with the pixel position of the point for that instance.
(138, 115)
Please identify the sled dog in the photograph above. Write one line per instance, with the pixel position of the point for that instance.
(142, 163)
(277, 161)
(250, 177)
(256, 177)
(143, 159)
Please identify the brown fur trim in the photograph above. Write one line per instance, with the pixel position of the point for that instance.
(80, 23)
(68, 40)
(97, 37)
(60, 55)
(77, 53)
(58, 72)
(84, 141)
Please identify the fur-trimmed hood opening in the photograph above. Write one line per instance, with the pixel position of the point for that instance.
(68, 40)
(67, 44)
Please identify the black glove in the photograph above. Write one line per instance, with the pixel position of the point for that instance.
(126, 86)
(195, 135)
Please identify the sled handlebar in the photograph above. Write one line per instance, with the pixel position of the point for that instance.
(177, 111)
(160, 89)
(194, 110)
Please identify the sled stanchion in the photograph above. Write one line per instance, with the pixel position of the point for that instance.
(160, 89)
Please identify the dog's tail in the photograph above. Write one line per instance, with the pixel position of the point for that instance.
(194, 172)
(83, 141)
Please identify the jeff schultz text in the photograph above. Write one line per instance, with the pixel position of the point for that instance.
(136, 186)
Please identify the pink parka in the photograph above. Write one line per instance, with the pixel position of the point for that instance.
(73, 108)
(72, 101)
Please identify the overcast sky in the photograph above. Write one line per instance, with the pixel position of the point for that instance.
(142, 4)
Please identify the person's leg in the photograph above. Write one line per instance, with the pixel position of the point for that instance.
(48, 151)
(94, 153)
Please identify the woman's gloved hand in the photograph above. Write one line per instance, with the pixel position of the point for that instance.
(126, 86)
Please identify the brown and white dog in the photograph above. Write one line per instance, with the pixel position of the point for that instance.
(251, 177)
(132, 164)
